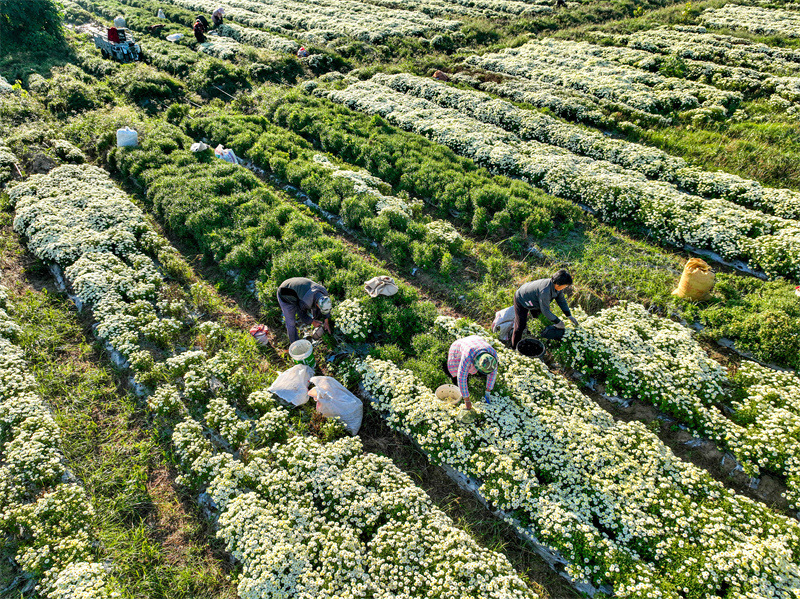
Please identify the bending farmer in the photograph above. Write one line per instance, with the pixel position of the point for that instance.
(534, 298)
(471, 355)
(217, 16)
(304, 299)
(200, 27)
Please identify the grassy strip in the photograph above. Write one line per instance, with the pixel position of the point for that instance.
(149, 530)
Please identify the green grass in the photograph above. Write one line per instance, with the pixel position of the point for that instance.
(764, 147)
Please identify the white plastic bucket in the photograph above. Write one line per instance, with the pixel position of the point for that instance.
(119, 22)
(302, 352)
(127, 138)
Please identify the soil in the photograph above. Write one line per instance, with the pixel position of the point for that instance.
(39, 164)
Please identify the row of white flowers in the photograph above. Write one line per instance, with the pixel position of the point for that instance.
(721, 76)
(259, 39)
(642, 356)
(608, 496)
(490, 9)
(313, 520)
(761, 21)
(570, 103)
(440, 231)
(574, 65)
(225, 48)
(305, 518)
(647, 54)
(586, 142)
(319, 21)
(616, 194)
(697, 43)
(364, 182)
(44, 513)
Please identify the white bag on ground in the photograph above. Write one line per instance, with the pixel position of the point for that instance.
(127, 138)
(292, 385)
(503, 323)
(333, 399)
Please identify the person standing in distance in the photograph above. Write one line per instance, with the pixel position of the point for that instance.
(534, 298)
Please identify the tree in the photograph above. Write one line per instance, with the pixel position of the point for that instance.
(29, 25)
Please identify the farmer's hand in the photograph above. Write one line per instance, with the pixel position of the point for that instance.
(467, 404)
(574, 321)
(328, 326)
(316, 323)
(560, 325)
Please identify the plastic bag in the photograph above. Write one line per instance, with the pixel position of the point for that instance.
(261, 333)
(503, 323)
(697, 281)
(127, 138)
(333, 399)
(292, 385)
(226, 154)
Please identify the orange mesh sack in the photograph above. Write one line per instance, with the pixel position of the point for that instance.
(696, 282)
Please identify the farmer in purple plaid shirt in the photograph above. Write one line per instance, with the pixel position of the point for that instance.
(471, 355)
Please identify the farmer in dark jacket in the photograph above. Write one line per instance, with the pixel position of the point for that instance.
(534, 298)
(199, 28)
(304, 299)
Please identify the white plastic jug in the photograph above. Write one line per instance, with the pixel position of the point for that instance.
(161, 14)
(127, 138)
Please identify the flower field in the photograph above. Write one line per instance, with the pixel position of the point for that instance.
(768, 243)
(322, 20)
(639, 355)
(615, 141)
(698, 43)
(608, 496)
(78, 220)
(653, 163)
(766, 21)
(46, 516)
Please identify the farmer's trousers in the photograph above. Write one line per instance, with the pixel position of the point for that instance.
(521, 314)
